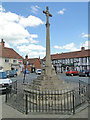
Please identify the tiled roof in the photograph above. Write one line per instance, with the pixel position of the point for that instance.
(76, 54)
(9, 53)
(32, 60)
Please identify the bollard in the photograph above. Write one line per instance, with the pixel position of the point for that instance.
(16, 87)
(26, 104)
(6, 95)
(73, 104)
(88, 91)
(79, 87)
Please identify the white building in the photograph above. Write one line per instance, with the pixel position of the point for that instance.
(9, 59)
(78, 60)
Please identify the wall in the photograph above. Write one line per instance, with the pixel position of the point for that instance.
(7, 65)
(79, 63)
(37, 64)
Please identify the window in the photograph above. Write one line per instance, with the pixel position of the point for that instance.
(14, 61)
(6, 60)
(71, 60)
(66, 61)
(81, 60)
(63, 61)
(85, 60)
(2, 75)
(88, 59)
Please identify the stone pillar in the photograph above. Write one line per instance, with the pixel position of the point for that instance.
(48, 56)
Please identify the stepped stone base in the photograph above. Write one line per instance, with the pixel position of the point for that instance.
(49, 82)
(45, 82)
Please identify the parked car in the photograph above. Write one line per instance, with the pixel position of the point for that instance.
(84, 73)
(72, 72)
(4, 82)
(14, 72)
(38, 71)
(89, 74)
(9, 73)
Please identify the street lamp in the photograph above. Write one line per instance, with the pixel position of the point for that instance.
(25, 65)
(24, 74)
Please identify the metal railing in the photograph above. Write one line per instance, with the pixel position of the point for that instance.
(63, 102)
(49, 101)
(11, 90)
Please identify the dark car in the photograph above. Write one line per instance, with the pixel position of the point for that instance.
(14, 72)
(9, 73)
(84, 73)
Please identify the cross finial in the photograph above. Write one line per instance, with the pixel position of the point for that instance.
(47, 8)
(47, 12)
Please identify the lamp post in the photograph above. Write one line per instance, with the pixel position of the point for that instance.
(24, 74)
(25, 66)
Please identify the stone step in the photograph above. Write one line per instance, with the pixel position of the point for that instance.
(36, 80)
(35, 84)
(34, 87)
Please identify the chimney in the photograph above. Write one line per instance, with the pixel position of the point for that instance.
(82, 48)
(39, 57)
(26, 57)
(2, 43)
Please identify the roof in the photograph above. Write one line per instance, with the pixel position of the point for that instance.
(32, 60)
(76, 54)
(9, 53)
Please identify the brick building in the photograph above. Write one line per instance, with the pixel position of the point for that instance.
(9, 58)
(32, 63)
(78, 60)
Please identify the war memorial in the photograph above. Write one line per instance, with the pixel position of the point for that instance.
(48, 93)
(48, 79)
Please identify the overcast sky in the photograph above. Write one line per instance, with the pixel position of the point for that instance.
(22, 26)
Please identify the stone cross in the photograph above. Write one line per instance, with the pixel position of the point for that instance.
(47, 14)
(48, 57)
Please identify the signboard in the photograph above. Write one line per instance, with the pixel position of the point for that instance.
(19, 61)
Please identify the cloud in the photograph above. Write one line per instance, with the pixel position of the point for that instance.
(37, 54)
(85, 35)
(62, 11)
(57, 47)
(70, 47)
(33, 41)
(86, 44)
(34, 36)
(34, 9)
(30, 21)
(7, 45)
(31, 47)
(32, 50)
(13, 28)
(1, 8)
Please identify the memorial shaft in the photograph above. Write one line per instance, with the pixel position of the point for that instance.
(48, 57)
